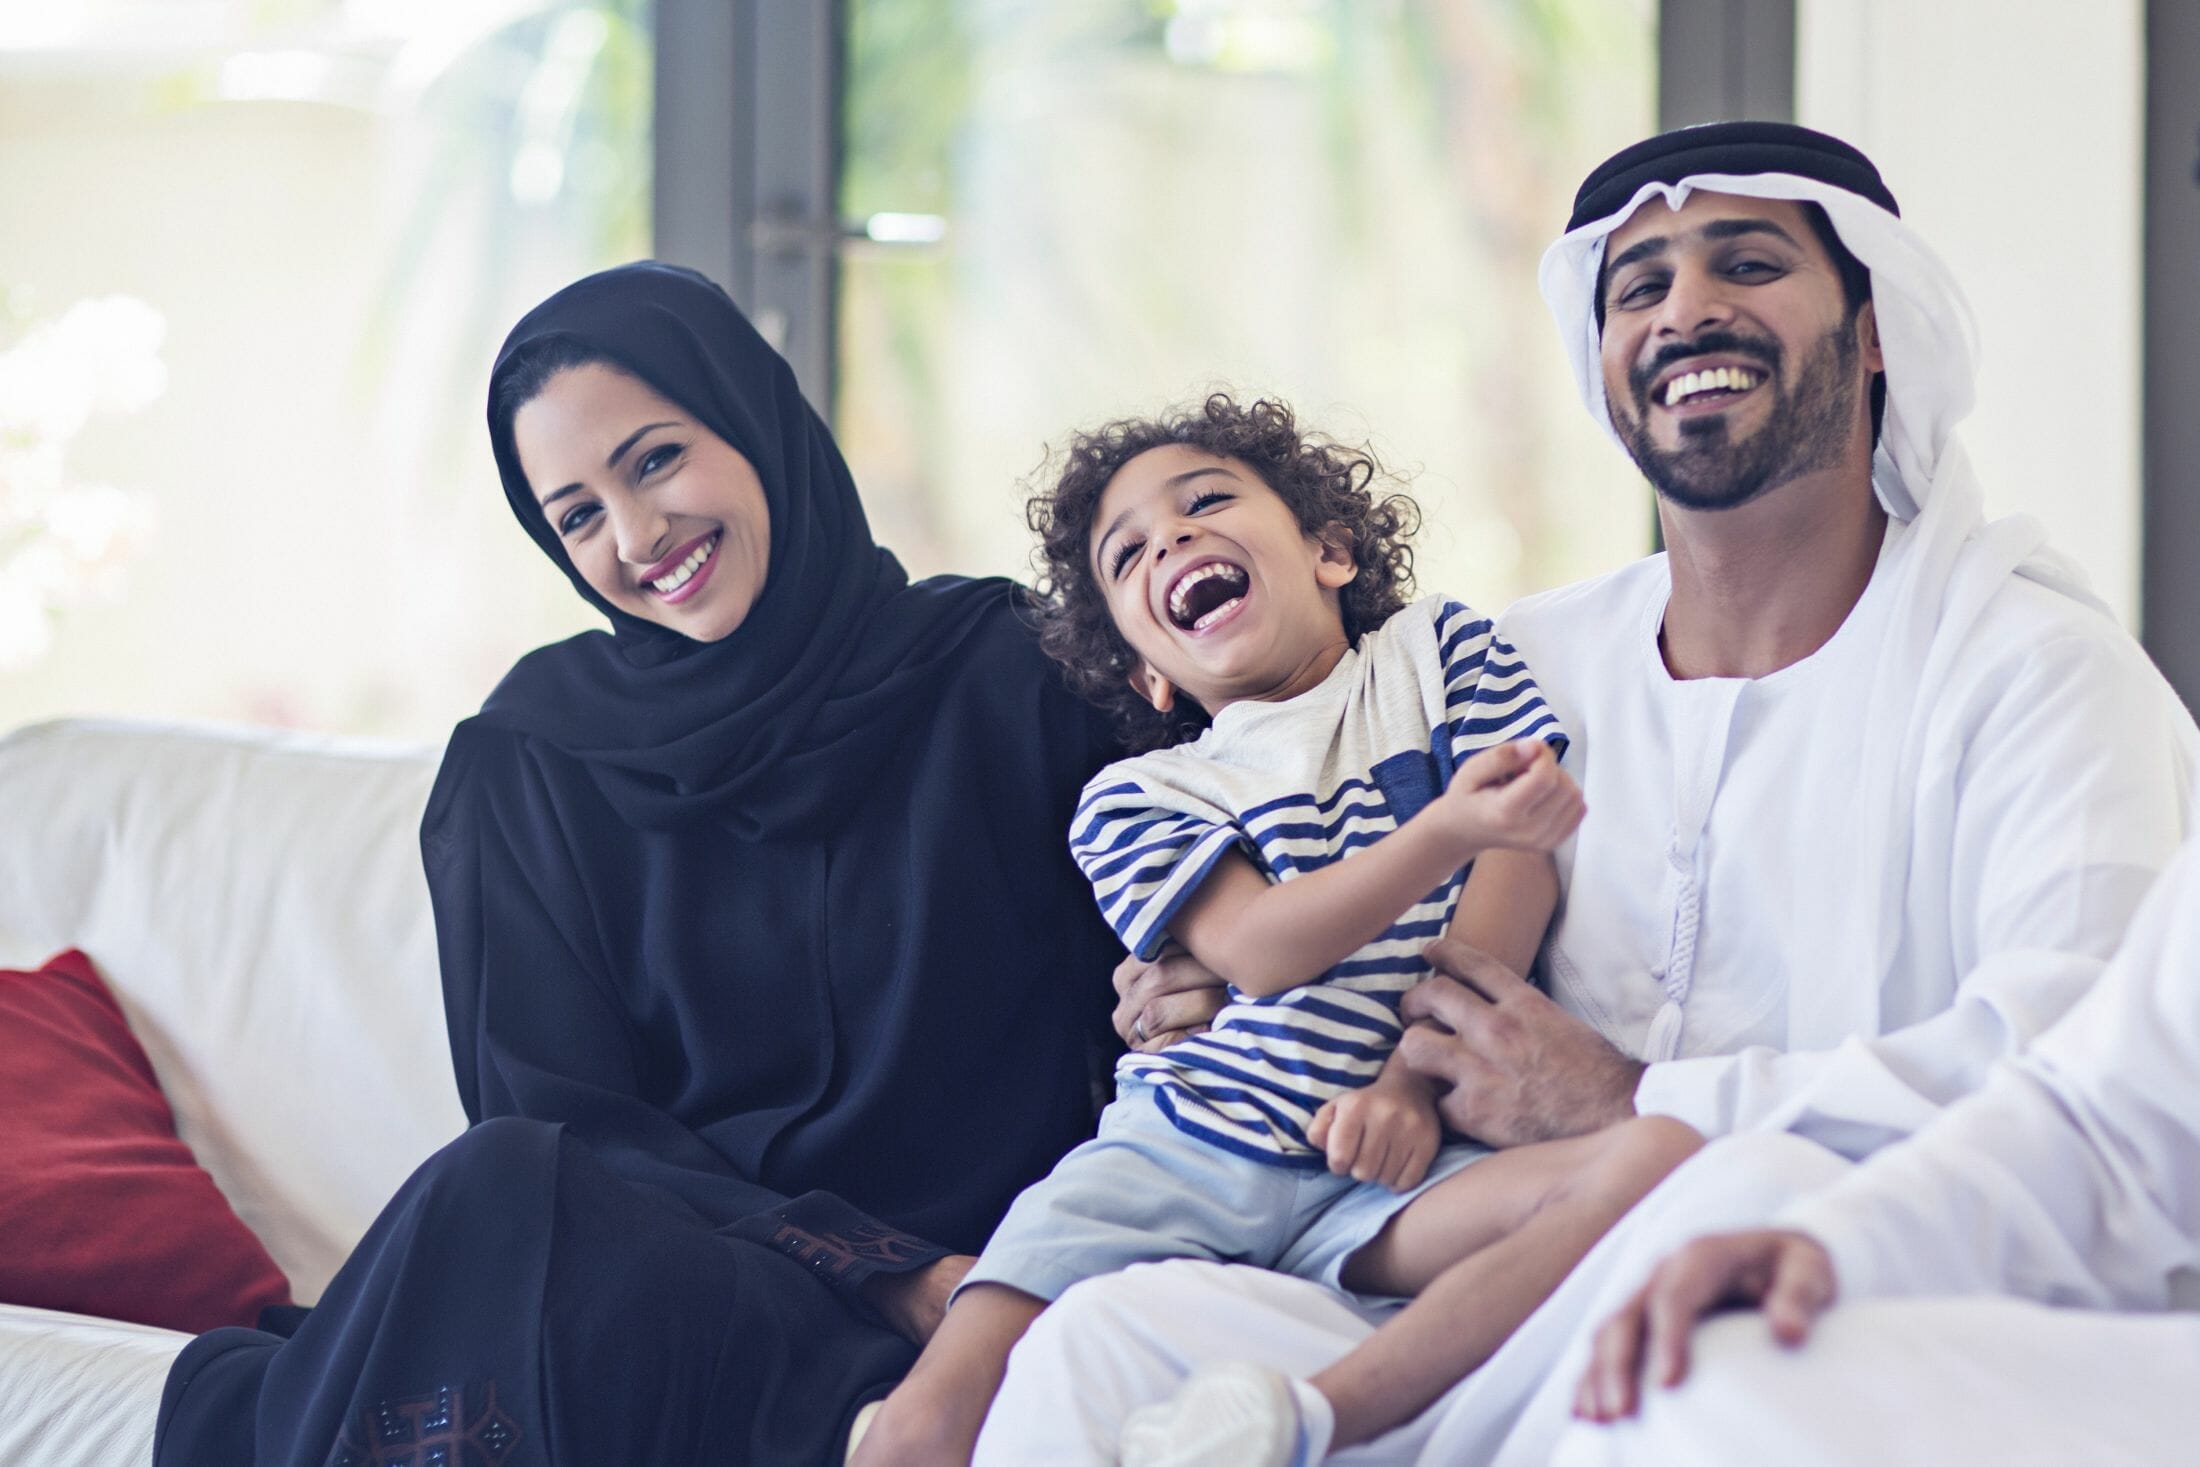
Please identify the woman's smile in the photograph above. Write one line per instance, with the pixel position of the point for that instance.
(682, 574)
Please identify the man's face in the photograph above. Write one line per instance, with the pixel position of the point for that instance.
(1731, 362)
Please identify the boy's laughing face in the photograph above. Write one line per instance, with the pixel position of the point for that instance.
(1212, 582)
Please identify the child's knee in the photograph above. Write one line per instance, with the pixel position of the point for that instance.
(1659, 1141)
(1634, 1156)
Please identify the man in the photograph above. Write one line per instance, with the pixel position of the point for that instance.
(2071, 1179)
(1874, 786)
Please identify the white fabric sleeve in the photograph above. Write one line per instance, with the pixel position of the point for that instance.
(2073, 1177)
(2058, 788)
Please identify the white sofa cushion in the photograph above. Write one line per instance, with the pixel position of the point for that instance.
(256, 901)
(80, 1392)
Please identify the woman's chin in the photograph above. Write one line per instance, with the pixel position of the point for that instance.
(713, 623)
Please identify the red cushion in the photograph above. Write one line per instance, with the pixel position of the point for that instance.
(102, 1209)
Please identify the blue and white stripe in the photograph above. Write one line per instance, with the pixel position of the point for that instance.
(1296, 786)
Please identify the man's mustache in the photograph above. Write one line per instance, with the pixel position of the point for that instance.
(1724, 343)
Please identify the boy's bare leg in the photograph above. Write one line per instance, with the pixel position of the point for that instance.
(1482, 1250)
(933, 1417)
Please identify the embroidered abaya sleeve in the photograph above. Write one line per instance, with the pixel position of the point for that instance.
(538, 1029)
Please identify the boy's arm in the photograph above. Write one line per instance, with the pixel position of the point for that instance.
(1268, 938)
(1506, 906)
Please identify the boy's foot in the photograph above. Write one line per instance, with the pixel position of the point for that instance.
(1236, 1415)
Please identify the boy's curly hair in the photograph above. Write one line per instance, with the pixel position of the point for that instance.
(1324, 482)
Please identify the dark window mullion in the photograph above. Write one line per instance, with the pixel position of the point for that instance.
(747, 163)
(1724, 61)
(2170, 370)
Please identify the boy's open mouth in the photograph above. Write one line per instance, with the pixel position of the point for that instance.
(1204, 593)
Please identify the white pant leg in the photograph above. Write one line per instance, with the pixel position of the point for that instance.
(1923, 1383)
(1112, 1344)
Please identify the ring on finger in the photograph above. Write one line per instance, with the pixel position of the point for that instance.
(1138, 1027)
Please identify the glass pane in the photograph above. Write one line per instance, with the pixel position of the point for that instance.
(328, 212)
(1342, 203)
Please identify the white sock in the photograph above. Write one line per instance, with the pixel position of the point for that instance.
(1317, 1422)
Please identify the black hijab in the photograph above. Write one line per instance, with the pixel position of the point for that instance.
(770, 729)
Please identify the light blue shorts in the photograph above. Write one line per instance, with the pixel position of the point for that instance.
(1141, 1191)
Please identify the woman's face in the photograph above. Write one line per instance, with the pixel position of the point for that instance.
(665, 519)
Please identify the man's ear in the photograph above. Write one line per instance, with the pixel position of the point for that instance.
(1867, 335)
(1336, 569)
(1152, 686)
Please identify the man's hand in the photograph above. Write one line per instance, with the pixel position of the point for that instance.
(915, 1302)
(1789, 1274)
(1385, 1131)
(1515, 1067)
(1165, 1000)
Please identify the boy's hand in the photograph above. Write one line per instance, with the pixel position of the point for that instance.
(1513, 796)
(1385, 1131)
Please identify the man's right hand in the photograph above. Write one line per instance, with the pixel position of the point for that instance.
(1789, 1275)
(1168, 999)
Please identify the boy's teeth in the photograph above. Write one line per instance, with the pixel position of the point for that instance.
(1717, 379)
(1180, 593)
(666, 585)
(1216, 615)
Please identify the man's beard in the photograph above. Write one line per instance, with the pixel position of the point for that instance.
(1806, 429)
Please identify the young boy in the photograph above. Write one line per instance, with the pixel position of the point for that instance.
(1344, 778)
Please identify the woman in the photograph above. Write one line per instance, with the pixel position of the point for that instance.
(769, 979)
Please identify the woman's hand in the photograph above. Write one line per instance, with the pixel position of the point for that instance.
(914, 1303)
(1789, 1275)
(1170, 998)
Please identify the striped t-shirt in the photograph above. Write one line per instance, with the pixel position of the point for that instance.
(1296, 785)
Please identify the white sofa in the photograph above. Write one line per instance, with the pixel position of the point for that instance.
(256, 902)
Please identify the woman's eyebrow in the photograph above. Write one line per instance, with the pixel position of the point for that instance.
(629, 441)
(610, 463)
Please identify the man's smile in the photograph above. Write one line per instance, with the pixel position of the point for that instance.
(1707, 386)
(1704, 377)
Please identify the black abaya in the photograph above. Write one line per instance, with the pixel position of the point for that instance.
(745, 1011)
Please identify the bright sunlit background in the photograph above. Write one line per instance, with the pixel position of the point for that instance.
(256, 257)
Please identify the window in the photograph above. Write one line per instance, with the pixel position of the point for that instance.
(1047, 214)
(1341, 203)
(333, 210)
